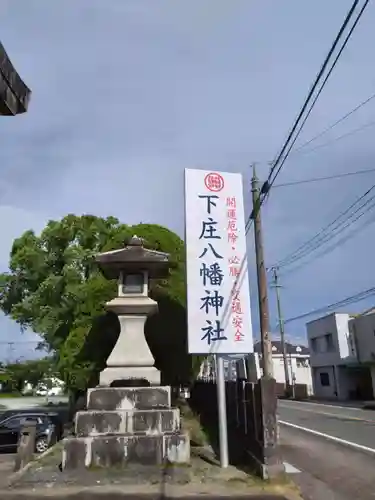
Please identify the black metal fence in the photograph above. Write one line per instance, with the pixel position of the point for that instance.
(244, 417)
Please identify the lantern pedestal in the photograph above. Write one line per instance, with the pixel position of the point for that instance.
(131, 357)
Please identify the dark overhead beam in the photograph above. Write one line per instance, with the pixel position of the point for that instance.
(14, 94)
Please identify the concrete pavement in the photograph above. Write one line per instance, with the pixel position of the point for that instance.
(6, 467)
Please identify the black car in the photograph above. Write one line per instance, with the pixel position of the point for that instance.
(11, 426)
(57, 419)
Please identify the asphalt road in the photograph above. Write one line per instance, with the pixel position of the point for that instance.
(329, 469)
(30, 402)
(349, 424)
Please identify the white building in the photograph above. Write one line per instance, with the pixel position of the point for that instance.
(298, 360)
(49, 387)
(207, 370)
(340, 353)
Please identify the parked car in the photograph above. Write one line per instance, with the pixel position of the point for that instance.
(56, 418)
(11, 427)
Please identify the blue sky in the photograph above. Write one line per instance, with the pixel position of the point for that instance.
(126, 94)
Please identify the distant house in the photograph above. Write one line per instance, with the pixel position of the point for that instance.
(298, 361)
(49, 387)
(342, 350)
(298, 358)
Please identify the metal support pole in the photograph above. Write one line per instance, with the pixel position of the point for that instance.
(222, 412)
(282, 332)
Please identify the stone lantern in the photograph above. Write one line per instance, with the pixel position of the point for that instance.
(133, 266)
(131, 422)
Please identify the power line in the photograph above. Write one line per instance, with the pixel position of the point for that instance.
(328, 237)
(336, 305)
(286, 148)
(328, 250)
(281, 158)
(22, 342)
(332, 226)
(333, 125)
(339, 138)
(326, 178)
(333, 233)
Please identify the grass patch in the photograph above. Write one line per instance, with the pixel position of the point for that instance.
(8, 395)
(191, 424)
(50, 458)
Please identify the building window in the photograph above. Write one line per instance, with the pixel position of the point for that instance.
(329, 342)
(324, 379)
(302, 363)
(314, 345)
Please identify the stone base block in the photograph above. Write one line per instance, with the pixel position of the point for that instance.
(97, 423)
(128, 398)
(118, 451)
(110, 374)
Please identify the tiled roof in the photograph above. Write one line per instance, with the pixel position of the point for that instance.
(14, 94)
(290, 348)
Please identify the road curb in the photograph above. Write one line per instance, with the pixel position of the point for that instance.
(116, 492)
(16, 475)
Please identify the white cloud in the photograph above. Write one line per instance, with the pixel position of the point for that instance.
(127, 94)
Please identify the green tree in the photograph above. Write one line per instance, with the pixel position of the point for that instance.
(54, 287)
(16, 375)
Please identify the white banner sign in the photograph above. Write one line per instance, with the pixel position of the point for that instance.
(218, 298)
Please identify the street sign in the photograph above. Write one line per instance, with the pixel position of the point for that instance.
(218, 297)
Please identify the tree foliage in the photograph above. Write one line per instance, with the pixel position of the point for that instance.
(55, 288)
(14, 376)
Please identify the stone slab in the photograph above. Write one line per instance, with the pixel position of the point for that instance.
(128, 398)
(119, 451)
(112, 373)
(97, 423)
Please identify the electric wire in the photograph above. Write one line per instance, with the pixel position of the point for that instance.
(326, 178)
(333, 125)
(286, 149)
(336, 305)
(331, 226)
(282, 159)
(330, 248)
(339, 138)
(336, 231)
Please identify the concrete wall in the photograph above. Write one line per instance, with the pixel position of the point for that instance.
(342, 382)
(324, 391)
(297, 365)
(346, 383)
(373, 380)
(363, 328)
(322, 354)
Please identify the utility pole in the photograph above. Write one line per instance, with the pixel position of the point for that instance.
(262, 282)
(282, 331)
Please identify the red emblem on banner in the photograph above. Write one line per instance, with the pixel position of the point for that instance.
(214, 182)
